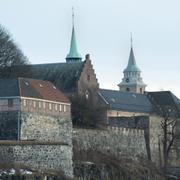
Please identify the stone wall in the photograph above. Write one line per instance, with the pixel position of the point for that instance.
(38, 156)
(121, 142)
(36, 126)
(116, 113)
(155, 134)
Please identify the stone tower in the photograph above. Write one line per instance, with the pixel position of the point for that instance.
(132, 81)
(73, 55)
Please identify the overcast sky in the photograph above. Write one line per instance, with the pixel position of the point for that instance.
(42, 29)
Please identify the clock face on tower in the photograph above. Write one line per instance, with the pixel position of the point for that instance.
(127, 80)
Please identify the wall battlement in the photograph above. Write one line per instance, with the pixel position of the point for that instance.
(126, 131)
(120, 142)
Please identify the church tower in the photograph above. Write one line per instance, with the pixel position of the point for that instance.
(132, 81)
(73, 55)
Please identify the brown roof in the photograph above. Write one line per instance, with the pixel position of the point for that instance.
(41, 89)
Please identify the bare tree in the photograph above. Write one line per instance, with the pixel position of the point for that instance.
(169, 116)
(10, 56)
(167, 106)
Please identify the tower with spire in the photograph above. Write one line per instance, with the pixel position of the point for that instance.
(132, 80)
(73, 55)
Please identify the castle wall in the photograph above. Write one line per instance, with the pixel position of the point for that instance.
(155, 134)
(121, 142)
(37, 155)
(116, 113)
(36, 126)
(45, 121)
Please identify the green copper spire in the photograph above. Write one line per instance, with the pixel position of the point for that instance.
(132, 62)
(73, 55)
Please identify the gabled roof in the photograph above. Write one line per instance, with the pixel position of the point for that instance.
(164, 98)
(132, 62)
(31, 88)
(62, 75)
(41, 90)
(126, 101)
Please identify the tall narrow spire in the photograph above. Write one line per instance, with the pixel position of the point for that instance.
(131, 62)
(132, 81)
(73, 55)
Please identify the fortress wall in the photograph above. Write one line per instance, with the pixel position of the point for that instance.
(36, 126)
(37, 155)
(121, 142)
(155, 134)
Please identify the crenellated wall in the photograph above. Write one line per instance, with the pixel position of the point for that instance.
(121, 142)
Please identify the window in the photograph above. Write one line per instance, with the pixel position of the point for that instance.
(10, 102)
(88, 77)
(87, 94)
(140, 90)
(127, 89)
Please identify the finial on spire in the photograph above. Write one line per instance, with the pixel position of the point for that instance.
(131, 40)
(73, 16)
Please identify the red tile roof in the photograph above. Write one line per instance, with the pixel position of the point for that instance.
(41, 89)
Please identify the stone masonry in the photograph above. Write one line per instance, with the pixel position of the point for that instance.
(38, 155)
(121, 142)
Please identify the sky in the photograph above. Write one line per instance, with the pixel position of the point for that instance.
(42, 29)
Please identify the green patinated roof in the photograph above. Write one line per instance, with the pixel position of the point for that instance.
(73, 54)
(62, 75)
(131, 63)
